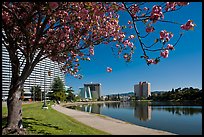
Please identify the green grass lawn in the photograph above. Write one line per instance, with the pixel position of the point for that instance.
(50, 122)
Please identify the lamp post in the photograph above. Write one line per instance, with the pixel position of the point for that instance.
(44, 104)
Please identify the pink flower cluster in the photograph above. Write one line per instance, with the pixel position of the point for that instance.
(183, 3)
(53, 5)
(170, 47)
(188, 26)
(127, 42)
(166, 36)
(172, 5)
(151, 61)
(108, 69)
(145, 8)
(134, 9)
(91, 50)
(131, 37)
(149, 29)
(164, 53)
(156, 13)
(6, 17)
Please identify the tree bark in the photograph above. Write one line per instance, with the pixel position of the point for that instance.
(14, 119)
(14, 105)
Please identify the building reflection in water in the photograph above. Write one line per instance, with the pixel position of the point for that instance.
(91, 108)
(142, 111)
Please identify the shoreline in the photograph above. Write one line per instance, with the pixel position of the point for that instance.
(105, 123)
(69, 104)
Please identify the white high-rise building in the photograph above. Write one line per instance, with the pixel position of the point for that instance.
(90, 91)
(39, 75)
(142, 90)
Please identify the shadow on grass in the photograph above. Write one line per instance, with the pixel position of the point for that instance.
(4, 121)
(29, 123)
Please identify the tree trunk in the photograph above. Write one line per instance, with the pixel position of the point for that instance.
(14, 107)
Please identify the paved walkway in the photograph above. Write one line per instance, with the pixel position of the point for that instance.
(107, 124)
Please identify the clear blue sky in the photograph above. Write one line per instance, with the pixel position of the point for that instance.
(183, 67)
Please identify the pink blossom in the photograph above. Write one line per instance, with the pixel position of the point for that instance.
(165, 53)
(130, 44)
(151, 61)
(91, 51)
(131, 36)
(145, 8)
(183, 3)
(53, 5)
(149, 29)
(88, 59)
(188, 26)
(81, 54)
(62, 45)
(77, 60)
(170, 6)
(171, 35)
(129, 22)
(125, 56)
(134, 8)
(170, 47)
(156, 13)
(108, 69)
(130, 27)
(126, 42)
(164, 35)
(122, 35)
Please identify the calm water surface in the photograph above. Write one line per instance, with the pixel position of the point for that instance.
(179, 119)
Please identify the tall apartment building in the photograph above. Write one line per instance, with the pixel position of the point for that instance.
(39, 75)
(142, 90)
(90, 91)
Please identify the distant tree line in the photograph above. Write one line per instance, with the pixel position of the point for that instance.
(185, 94)
(115, 97)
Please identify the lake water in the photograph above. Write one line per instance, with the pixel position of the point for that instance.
(174, 118)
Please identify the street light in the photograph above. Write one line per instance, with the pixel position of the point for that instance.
(44, 104)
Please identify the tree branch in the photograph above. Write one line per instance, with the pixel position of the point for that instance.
(137, 33)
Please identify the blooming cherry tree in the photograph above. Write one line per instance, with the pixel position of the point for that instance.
(139, 12)
(67, 32)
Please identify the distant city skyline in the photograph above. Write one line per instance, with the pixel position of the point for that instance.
(183, 67)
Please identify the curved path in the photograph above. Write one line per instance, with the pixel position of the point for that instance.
(107, 124)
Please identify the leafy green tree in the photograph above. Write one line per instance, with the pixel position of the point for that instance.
(57, 85)
(58, 89)
(60, 96)
(70, 96)
(36, 92)
(77, 98)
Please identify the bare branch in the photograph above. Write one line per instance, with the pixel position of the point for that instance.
(139, 38)
(178, 39)
(169, 22)
(22, 62)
